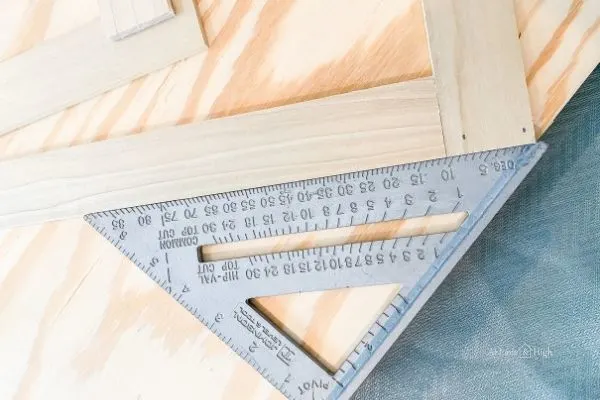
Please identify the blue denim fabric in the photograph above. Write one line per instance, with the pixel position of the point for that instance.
(519, 317)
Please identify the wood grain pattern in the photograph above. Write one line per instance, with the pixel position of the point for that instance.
(116, 322)
(479, 74)
(66, 70)
(123, 18)
(25, 24)
(561, 47)
(369, 128)
(257, 55)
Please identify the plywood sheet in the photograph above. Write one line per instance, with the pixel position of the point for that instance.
(84, 63)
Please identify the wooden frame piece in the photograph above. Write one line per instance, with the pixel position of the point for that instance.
(363, 129)
(84, 63)
(479, 74)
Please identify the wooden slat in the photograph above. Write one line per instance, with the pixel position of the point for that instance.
(479, 73)
(311, 139)
(82, 64)
(123, 18)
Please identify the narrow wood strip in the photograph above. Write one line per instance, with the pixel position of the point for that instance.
(332, 237)
(82, 64)
(123, 18)
(364, 129)
(479, 74)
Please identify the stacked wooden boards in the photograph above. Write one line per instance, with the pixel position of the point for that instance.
(95, 319)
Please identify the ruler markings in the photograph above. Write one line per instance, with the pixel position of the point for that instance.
(216, 292)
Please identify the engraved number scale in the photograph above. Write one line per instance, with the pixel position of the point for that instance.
(163, 240)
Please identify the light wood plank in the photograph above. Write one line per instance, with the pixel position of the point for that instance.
(82, 64)
(479, 74)
(310, 139)
(123, 18)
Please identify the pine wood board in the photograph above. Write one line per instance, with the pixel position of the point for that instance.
(97, 319)
(479, 74)
(363, 129)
